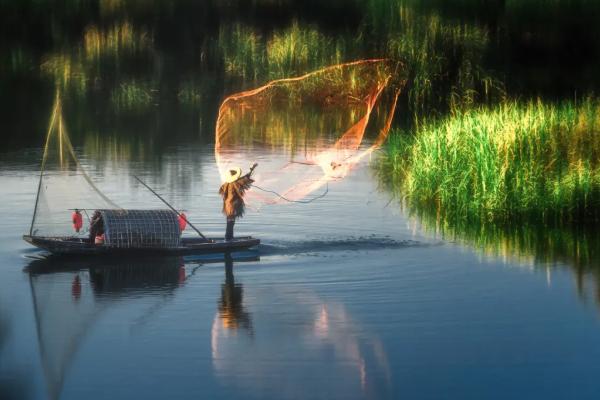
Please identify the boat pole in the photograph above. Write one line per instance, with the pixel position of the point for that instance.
(171, 207)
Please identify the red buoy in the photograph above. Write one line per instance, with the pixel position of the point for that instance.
(182, 222)
(77, 220)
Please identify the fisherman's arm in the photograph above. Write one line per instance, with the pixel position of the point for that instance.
(249, 174)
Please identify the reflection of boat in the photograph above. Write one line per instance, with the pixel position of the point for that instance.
(68, 303)
(70, 296)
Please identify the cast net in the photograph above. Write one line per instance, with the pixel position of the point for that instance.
(309, 130)
(64, 185)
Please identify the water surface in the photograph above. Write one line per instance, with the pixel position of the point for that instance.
(347, 297)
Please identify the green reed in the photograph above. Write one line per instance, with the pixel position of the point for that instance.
(294, 50)
(443, 59)
(243, 51)
(114, 41)
(533, 160)
(132, 96)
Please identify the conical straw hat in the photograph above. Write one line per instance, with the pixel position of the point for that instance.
(234, 174)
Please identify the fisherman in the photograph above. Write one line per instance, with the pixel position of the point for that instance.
(96, 226)
(233, 191)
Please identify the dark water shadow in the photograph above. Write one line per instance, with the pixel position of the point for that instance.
(13, 382)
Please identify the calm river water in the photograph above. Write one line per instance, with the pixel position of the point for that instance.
(346, 298)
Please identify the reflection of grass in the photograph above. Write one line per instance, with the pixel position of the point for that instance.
(189, 94)
(535, 160)
(286, 52)
(131, 96)
(119, 38)
(280, 128)
(243, 51)
(76, 69)
(443, 59)
(66, 71)
(537, 245)
(521, 241)
(299, 49)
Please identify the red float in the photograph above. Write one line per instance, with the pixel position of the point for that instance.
(77, 220)
(182, 222)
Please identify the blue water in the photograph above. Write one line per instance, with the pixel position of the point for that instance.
(347, 298)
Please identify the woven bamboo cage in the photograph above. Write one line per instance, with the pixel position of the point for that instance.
(138, 229)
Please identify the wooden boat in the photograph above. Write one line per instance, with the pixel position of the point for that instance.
(126, 231)
(79, 246)
(140, 232)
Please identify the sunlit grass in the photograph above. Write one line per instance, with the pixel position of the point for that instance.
(286, 52)
(516, 160)
(119, 38)
(243, 51)
(132, 96)
(299, 49)
(66, 71)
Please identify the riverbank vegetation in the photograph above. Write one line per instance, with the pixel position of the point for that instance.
(534, 160)
(473, 71)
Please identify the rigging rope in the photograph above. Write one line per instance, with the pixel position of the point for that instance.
(294, 201)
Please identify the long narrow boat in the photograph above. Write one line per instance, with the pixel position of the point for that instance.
(140, 232)
(188, 246)
(126, 231)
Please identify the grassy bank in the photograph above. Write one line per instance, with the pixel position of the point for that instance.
(534, 160)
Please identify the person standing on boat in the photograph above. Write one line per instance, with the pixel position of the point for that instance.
(233, 191)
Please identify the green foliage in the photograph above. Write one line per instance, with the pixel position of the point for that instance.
(118, 40)
(131, 96)
(300, 49)
(283, 53)
(533, 160)
(444, 59)
(243, 51)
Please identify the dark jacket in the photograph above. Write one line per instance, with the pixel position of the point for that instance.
(233, 196)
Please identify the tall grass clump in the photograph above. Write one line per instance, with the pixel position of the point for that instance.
(243, 50)
(516, 160)
(115, 41)
(445, 60)
(298, 49)
(132, 96)
(285, 52)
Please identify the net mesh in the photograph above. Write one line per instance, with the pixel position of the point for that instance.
(64, 185)
(135, 229)
(308, 130)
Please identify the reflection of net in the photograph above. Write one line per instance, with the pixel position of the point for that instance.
(64, 185)
(304, 131)
(65, 309)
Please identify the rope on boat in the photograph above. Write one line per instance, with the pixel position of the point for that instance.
(294, 201)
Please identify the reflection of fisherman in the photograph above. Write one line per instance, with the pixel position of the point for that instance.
(231, 310)
(233, 191)
(96, 226)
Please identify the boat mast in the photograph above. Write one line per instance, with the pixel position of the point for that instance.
(56, 110)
